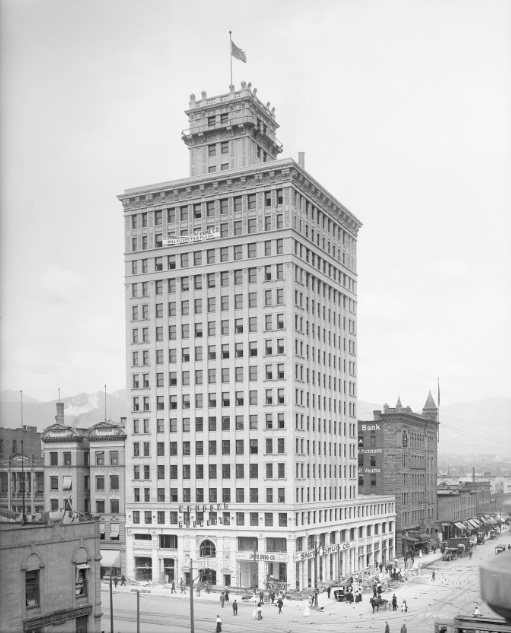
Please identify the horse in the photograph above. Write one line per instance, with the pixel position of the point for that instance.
(376, 603)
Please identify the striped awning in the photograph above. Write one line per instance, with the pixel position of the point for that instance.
(460, 526)
(475, 522)
(109, 558)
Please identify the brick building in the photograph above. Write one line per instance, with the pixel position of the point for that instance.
(397, 455)
(242, 363)
(85, 468)
(49, 576)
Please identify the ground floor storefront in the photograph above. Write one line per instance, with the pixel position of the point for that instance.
(285, 559)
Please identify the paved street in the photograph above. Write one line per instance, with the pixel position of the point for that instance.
(456, 589)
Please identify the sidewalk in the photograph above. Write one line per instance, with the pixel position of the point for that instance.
(164, 590)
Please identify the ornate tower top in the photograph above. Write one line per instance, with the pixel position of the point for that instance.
(430, 410)
(230, 131)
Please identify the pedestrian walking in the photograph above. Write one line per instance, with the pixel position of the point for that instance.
(116, 580)
(470, 555)
(280, 604)
(235, 608)
(387, 627)
(394, 603)
(173, 587)
(260, 612)
(272, 596)
(403, 628)
(123, 580)
(227, 595)
(404, 607)
(374, 590)
(328, 591)
(218, 624)
(182, 585)
(261, 596)
(433, 576)
(222, 599)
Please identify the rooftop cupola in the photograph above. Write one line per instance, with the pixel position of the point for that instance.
(230, 131)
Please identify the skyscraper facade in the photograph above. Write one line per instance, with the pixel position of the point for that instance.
(241, 365)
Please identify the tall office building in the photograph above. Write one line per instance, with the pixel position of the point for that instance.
(241, 365)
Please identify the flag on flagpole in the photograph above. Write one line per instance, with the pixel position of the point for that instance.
(238, 53)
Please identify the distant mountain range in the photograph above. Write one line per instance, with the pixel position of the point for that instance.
(81, 411)
(483, 426)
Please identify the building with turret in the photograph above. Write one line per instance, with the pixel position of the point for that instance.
(397, 455)
(241, 323)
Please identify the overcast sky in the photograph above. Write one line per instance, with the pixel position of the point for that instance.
(402, 108)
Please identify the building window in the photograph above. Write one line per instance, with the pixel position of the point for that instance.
(100, 458)
(32, 588)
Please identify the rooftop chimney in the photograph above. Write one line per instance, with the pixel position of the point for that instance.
(59, 418)
(301, 159)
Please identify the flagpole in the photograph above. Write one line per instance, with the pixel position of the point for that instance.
(230, 52)
(438, 397)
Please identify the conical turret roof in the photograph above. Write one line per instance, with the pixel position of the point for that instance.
(430, 404)
(398, 403)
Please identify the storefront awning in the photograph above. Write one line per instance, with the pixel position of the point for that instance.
(109, 558)
(460, 526)
(413, 539)
(482, 520)
(445, 525)
(492, 520)
(472, 524)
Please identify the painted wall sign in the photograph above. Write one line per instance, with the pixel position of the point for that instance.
(323, 551)
(271, 558)
(370, 427)
(198, 236)
(370, 450)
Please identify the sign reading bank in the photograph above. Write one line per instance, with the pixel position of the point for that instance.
(198, 236)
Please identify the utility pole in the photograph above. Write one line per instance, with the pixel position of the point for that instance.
(111, 605)
(255, 564)
(191, 598)
(24, 516)
(138, 611)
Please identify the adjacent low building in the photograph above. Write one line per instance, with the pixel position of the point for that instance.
(463, 509)
(397, 455)
(85, 471)
(49, 574)
(21, 470)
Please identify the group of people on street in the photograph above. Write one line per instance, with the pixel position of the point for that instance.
(116, 580)
(224, 597)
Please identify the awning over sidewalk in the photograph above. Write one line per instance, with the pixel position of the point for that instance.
(460, 526)
(109, 558)
(473, 524)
